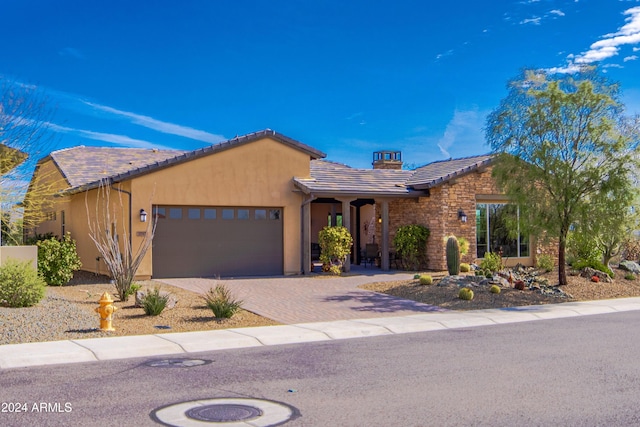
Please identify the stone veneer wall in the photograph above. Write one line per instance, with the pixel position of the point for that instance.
(439, 212)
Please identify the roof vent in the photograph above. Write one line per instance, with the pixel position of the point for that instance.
(387, 160)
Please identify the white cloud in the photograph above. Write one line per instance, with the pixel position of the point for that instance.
(160, 126)
(105, 137)
(442, 55)
(463, 130)
(609, 46)
(557, 12)
(630, 58)
(535, 20)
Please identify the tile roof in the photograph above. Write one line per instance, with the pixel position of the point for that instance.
(335, 178)
(85, 167)
(441, 171)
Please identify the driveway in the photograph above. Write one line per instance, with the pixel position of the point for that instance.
(315, 298)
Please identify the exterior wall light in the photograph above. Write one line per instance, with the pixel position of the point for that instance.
(462, 216)
(143, 215)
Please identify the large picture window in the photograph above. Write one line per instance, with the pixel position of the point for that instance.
(494, 223)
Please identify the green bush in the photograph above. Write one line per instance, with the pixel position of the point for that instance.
(488, 274)
(426, 280)
(335, 244)
(545, 262)
(582, 247)
(133, 289)
(154, 302)
(416, 276)
(491, 261)
(465, 294)
(464, 267)
(464, 245)
(57, 260)
(630, 276)
(410, 242)
(595, 264)
(494, 289)
(220, 301)
(20, 285)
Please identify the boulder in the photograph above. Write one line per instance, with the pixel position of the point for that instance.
(631, 266)
(171, 301)
(589, 272)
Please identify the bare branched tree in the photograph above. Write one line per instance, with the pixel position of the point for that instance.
(25, 115)
(116, 249)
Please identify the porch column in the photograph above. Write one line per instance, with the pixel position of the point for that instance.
(384, 250)
(346, 222)
(306, 236)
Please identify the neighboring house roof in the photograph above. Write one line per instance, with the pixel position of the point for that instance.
(335, 178)
(436, 173)
(86, 167)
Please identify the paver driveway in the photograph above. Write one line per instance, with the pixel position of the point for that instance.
(315, 298)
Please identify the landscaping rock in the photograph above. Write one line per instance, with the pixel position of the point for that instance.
(461, 281)
(171, 302)
(589, 272)
(631, 266)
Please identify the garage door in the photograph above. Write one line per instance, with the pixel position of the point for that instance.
(203, 241)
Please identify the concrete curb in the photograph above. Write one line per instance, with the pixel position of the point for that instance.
(95, 349)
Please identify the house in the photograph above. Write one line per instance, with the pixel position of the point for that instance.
(254, 205)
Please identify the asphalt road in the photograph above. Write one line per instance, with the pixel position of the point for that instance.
(581, 371)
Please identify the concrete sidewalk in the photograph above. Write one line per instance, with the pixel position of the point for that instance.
(181, 344)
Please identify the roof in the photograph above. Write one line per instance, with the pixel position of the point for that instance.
(436, 173)
(335, 178)
(85, 167)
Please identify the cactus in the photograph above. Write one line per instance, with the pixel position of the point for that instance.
(453, 256)
(426, 280)
(416, 276)
(494, 289)
(465, 294)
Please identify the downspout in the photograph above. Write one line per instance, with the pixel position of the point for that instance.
(128, 193)
(302, 227)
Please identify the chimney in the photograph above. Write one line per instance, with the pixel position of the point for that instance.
(387, 160)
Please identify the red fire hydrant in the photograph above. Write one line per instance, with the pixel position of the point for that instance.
(106, 311)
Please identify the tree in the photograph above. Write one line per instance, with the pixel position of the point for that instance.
(562, 144)
(113, 242)
(24, 137)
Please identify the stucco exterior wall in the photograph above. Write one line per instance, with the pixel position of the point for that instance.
(439, 212)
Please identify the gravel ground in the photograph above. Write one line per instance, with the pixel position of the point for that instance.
(67, 312)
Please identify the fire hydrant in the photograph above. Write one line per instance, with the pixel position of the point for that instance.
(106, 310)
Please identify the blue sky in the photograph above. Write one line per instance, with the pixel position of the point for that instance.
(346, 77)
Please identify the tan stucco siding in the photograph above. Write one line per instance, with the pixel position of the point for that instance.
(258, 174)
(48, 180)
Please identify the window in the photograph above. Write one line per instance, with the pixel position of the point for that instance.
(209, 214)
(494, 222)
(175, 213)
(338, 220)
(194, 213)
(227, 213)
(243, 213)
(260, 214)
(160, 213)
(274, 214)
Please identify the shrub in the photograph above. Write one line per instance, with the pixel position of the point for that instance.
(154, 302)
(133, 289)
(545, 262)
(335, 244)
(464, 245)
(595, 264)
(582, 247)
(488, 274)
(221, 303)
(464, 267)
(630, 276)
(494, 289)
(410, 242)
(20, 284)
(465, 294)
(491, 261)
(58, 259)
(416, 276)
(426, 280)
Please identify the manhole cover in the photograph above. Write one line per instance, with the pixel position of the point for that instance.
(224, 413)
(177, 363)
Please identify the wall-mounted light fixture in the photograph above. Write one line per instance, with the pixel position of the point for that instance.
(143, 215)
(462, 216)
(379, 220)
